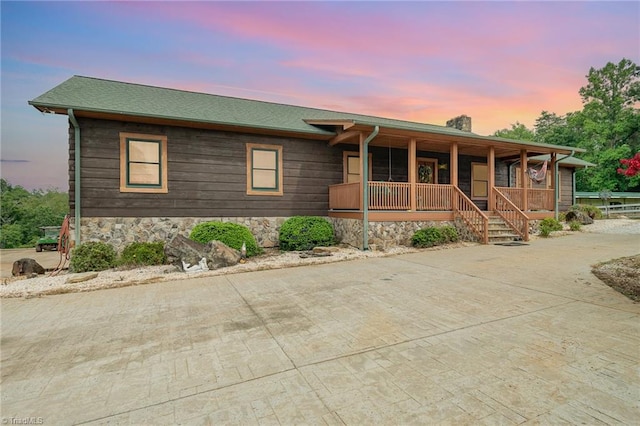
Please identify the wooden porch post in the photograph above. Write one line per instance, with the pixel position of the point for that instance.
(453, 163)
(552, 165)
(412, 174)
(360, 155)
(491, 165)
(524, 179)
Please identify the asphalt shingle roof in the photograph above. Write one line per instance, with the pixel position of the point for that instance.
(98, 95)
(115, 97)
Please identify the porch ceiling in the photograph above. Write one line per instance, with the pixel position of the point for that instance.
(473, 145)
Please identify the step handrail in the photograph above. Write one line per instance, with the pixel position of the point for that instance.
(515, 218)
(470, 214)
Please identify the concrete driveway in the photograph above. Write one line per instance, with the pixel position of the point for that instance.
(475, 335)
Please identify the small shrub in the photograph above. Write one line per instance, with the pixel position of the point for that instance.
(143, 254)
(592, 211)
(548, 225)
(92, 256)
(305, 233)
(231, 234)
(574, 225)
(433, 236)
(449, 233)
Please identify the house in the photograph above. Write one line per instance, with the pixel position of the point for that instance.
(147, 162)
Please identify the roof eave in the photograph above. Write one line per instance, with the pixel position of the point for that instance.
(63, 110)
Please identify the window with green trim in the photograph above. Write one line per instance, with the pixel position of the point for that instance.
(264, 169)
(143, 163)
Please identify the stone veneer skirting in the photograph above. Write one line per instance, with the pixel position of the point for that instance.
(121, 231)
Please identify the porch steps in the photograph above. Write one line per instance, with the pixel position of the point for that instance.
(499, 231)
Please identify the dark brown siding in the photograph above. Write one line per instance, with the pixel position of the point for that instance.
(206, 174)
(566, 188)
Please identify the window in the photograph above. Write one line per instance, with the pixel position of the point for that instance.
(264, 169)
(479, 180)
(143, 163)
(351, 167)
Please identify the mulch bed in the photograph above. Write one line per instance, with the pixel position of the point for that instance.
(622, 275)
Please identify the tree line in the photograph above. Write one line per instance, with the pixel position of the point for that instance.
(24, 212)
(607, 126)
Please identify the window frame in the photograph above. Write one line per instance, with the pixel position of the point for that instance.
(251, 189)
(125, 185)
(345, 165)
(474, 180)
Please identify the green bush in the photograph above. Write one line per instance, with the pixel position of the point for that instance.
(92, 256)
(548, 225)
(433, 236)
(231, 234)
(305, 233)
(592, 211)
(574, 225)
(143, 254)
(449, 233)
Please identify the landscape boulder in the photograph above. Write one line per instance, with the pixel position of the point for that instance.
(221, 255)
(578, 216)
(26, 266)
(218, 255)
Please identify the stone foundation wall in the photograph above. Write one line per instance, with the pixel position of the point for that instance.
(382, 235)
(348, 231)
(464, 233)
(121, 231)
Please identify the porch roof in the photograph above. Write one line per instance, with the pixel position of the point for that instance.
(569, 161)
(99, 98)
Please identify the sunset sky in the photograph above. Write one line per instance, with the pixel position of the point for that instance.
(498, 62)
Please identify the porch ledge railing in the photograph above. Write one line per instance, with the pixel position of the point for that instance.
(389, 196)
(537, 199)
(344, 196)
(471, 215)
(510, 213)
(392, 196)
(435, 197)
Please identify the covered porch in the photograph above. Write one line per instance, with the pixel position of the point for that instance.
(470, 178)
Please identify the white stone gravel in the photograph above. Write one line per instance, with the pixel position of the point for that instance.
(121, 278)
(14, 287)
(614, 226)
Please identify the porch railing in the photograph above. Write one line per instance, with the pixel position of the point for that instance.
(344, 196)
(537, 199)
(389, 196)
(434, 197)
(471, 215)
(510, 213)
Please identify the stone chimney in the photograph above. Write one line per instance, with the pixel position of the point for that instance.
(462, 122)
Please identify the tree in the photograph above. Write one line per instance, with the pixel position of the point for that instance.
(24, 212)
(632, 166)
(607, 127)
(518, 132)
(558, 129)
(609, 101)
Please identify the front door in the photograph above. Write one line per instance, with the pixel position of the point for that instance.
(427, 170)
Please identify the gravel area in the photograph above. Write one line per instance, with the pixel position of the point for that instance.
(614, 226)
(46, 285)
(21, 287)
